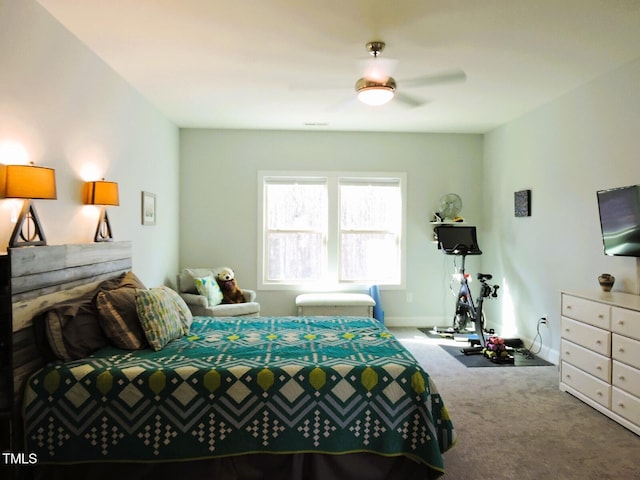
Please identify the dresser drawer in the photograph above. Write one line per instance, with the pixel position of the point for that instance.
(625, 405)
(586, 384)
(593, 313)
(587, 336)
(627, 378)
(625, 349)
(625, 322)
(587, 360)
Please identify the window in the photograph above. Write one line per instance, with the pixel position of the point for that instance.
(331, 229)
(295, 234)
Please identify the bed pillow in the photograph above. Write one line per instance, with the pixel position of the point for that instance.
(119, 318)
(70, 330)
(130, 279)
(118, 314)
(208, 287)
(159, 317)
(126, 279)
(186, 317)
(111, 283)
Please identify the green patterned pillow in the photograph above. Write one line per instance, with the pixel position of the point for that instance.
(186, 317)
(208, 287)
(159, 317)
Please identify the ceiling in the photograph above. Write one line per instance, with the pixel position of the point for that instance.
(292, 64)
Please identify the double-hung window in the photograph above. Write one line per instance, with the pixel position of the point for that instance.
(331, 229)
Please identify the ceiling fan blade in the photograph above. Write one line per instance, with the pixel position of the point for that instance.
(450, 76)
(409, 100)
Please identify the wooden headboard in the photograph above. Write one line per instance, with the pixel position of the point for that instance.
(36, 278)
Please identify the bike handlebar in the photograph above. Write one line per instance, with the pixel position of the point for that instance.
(460, 249)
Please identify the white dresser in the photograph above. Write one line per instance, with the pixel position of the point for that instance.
(600, 353)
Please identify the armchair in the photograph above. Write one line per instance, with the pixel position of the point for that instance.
(199, 304)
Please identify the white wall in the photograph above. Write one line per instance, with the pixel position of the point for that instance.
(70, 111)
(218, 201)
(564, 152)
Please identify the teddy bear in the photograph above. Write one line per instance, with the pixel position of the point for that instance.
(226, 279)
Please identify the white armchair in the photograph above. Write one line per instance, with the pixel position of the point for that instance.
(199, 304)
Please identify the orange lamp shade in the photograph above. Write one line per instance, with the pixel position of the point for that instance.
(101, 193)
(28, 181)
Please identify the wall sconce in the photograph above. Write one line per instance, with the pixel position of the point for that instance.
(28, 182)
(102, 193)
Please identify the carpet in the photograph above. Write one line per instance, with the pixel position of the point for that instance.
(515, 423)
(479, 360)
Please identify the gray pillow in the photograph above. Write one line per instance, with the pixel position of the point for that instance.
(73, 330)
(116, 304)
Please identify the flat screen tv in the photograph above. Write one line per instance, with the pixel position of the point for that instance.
(457, 240)
(619, 210)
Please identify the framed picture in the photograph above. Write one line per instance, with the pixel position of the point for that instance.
(522, 203)
(148, 208)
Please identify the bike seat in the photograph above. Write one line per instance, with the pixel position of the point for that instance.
(484, 276)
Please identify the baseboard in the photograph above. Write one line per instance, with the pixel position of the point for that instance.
(417, 322)
(549, 354)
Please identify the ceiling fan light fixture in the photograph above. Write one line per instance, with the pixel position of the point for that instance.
(375, 93)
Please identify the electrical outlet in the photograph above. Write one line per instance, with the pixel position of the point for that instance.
(544, 320)
(409, 297)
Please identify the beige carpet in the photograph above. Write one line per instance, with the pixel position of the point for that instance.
(514, 423)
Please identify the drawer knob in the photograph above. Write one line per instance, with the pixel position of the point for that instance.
(598, 342)
(621, 350)
(621, 377)
(598, 367)
(620, 322)
(600, 316)
(621, 405)
(599, 393)
(569, 307)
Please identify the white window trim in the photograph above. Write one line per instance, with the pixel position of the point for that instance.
(332, 230)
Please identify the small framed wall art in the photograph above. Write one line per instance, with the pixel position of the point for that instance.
(148, 208)
(522, 203)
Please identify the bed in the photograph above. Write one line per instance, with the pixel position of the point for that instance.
(267, 397)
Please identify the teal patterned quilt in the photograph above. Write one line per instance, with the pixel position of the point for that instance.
(277, 385)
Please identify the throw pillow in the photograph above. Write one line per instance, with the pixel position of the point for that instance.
(208, 287)
(186, 317)
(131, 280)
(126, 279)
(71, 330)
(119, 318)
(158, 316)
(116, 304)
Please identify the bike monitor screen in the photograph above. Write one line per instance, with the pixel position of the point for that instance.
(457, 240)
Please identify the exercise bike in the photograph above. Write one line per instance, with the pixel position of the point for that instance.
(467, 312)
(461, 241)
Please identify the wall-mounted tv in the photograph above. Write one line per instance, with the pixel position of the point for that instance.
(619, 210)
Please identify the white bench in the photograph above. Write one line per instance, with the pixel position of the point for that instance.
(328, 304)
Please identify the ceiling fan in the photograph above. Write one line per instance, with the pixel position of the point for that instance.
(377, 86)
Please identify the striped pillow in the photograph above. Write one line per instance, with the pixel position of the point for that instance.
(119, 319)
(159, 317)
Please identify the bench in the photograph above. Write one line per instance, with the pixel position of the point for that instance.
(329, 304)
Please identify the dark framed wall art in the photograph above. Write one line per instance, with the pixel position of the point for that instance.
(522, 203)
